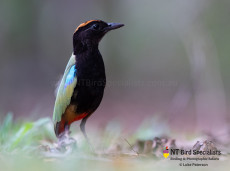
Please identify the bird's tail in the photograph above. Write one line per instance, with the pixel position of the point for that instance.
(60, 127)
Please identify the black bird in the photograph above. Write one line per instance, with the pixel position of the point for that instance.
(82, 86)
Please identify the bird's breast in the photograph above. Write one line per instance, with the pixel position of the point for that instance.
(90, 86)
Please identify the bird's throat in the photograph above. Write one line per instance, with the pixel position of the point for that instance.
(80, 46)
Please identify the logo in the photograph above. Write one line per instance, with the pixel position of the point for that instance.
(166, 152)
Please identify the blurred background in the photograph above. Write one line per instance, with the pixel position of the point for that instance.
(170, 61)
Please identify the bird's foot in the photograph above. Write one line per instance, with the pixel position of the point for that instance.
(66, 143)
(91, 148)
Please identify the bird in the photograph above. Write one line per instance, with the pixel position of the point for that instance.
(81, 88)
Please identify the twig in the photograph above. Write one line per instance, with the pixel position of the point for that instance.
(130, 145)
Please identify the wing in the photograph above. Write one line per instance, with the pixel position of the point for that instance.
(65, 90)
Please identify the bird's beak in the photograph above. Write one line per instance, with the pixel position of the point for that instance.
(113, 26)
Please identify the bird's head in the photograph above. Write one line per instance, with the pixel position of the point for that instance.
(91, 32)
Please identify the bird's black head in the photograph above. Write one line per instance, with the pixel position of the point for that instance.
(90, 33)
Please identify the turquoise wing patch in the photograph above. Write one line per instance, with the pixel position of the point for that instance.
(65, 90)
(70, 76)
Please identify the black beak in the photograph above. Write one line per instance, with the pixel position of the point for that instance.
(113, 26)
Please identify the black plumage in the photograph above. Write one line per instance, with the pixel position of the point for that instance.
(89, 71)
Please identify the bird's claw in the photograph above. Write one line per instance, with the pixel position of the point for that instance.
(65, 142)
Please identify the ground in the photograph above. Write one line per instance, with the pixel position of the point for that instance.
(33, 146)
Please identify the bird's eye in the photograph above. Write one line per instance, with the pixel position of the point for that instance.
(95, 26)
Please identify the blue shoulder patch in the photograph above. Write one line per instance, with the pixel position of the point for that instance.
(70, 76)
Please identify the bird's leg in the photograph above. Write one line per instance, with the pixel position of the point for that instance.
(67, 131)
(65, 141)
(82, 127)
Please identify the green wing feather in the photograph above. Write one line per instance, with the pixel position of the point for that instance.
(65, 91)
